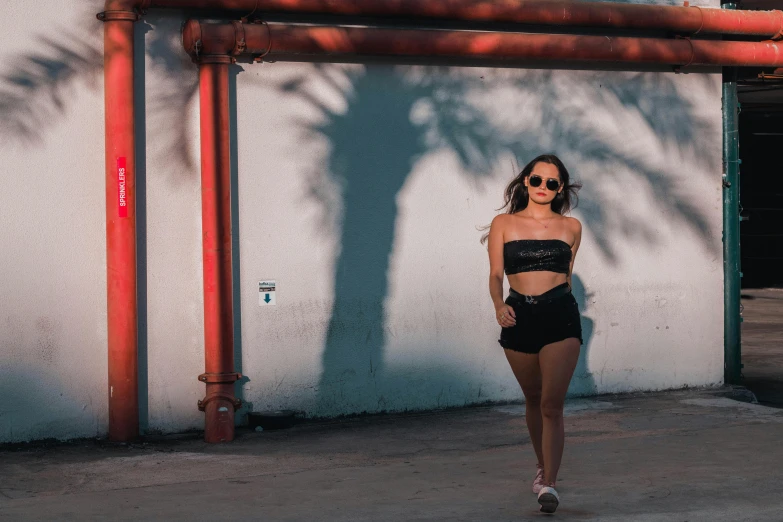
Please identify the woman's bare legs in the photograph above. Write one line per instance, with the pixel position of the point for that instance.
(544, 379)
(526, 369)
(557, 362)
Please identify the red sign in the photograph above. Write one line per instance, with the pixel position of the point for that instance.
(122, 190)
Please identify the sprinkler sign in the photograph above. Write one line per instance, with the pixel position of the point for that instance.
(266, 293)
(122, 190)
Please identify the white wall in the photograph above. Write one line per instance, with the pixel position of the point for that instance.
(359, 190)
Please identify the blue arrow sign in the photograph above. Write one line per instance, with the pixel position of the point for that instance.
(267, 298)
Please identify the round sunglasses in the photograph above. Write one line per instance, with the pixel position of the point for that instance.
(551, 183)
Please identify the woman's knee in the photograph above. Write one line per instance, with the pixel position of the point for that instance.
(551, 409)
(532, 397)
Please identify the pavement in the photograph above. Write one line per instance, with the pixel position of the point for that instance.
(762, 344)
(690, 455)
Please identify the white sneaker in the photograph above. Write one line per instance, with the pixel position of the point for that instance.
(549, 499)
(538, 481)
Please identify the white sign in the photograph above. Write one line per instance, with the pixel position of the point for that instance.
(266, 293)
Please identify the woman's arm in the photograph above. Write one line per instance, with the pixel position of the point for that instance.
(577, 229)
(503, 313)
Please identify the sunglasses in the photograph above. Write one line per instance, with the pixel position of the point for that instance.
(551, 183)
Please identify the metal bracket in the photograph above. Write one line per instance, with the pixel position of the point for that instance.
(245, 18)
(239, 38)
(678, 68)
(220, 378)
(260, 57)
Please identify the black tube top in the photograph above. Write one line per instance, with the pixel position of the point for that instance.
(533, 255)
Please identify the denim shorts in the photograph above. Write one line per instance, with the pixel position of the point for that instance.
(541, 320)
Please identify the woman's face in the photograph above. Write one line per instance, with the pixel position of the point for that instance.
(549, 175)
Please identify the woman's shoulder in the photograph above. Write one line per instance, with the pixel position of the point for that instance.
(500, 220)
(573, 223)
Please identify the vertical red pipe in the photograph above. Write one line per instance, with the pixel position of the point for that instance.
(121, 225)
(219, 404)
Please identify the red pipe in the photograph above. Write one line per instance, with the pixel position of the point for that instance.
(219, 404)
(121, 225)
(680, 20)
(285, 39)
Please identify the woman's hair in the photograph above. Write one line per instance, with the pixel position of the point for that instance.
(517, 197)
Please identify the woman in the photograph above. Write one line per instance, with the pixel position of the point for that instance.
(535, 245)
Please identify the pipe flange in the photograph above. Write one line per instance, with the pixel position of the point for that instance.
(236, 403)
(214, 58)
(113, 16)
(220, 378)
(239, 38)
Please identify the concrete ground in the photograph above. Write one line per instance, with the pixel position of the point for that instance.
(694, 455)
(762, 344)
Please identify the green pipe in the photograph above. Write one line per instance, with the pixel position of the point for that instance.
(731, 221)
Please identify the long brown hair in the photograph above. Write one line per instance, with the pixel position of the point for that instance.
(517, 196)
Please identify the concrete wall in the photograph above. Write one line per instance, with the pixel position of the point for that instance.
(360, 190)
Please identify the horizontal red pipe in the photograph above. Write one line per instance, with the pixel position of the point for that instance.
(680, 20)
(285, 39)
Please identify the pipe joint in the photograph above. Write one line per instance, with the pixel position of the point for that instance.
(214, 58)
(222, 43)
(239, 44)
(119, 16)
(124, 10)
(220, 378)
(223, 397)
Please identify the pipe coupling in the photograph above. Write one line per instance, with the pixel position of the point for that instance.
(118, 16)
(220, 378)
(224, 397)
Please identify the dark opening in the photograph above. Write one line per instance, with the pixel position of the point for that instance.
(761, 189)
(761, 232)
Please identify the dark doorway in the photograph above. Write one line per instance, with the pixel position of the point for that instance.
(761, 193)
(761, 233)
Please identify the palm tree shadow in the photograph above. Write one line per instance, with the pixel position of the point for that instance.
(583, 382)
(375, 144)
(37, 89)
(390, 122)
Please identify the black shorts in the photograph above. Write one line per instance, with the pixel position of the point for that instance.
(543, 319)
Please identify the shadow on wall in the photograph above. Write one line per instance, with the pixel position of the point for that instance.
(375, 145)
(395, 116)
(37, 92)
(582, 382)
(37, 404)
(37, 89)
